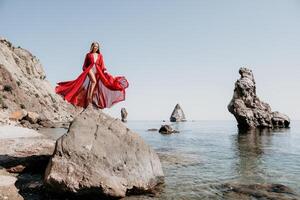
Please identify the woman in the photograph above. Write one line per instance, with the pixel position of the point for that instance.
(94, 85)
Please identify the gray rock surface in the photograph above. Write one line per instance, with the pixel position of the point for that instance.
(124, 115)
(100, 156)
(23, 85)
(249, 110)
(177, 114)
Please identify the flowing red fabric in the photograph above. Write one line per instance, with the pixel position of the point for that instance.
(108, 91)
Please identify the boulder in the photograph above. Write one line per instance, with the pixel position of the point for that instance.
(249, 110)
(99, 156)
(177, 114)
(167, 129)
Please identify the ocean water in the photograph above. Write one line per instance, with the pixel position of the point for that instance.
(206, 154)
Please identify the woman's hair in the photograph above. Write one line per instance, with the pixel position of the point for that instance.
(92, 46)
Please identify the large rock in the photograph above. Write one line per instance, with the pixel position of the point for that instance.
(249, 110)
(100, 156)
(23, 85)
(177, 114)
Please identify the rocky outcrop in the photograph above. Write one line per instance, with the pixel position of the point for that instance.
(177, 114)
(124, 115)
(167, 129)
(249, 110)
(99, 156)
(23, 86)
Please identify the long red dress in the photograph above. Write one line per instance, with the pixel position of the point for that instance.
(108, 91)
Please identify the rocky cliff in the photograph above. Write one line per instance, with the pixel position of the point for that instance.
(24, 87)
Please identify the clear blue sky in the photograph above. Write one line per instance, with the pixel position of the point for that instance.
(186, 52)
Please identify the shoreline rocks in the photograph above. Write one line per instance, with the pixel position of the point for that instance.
(249, 111)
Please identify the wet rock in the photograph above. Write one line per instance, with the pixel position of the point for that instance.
(249, 110)
(124, 114)
(257, 191)
(177, 114)
(167, 129)
(100, 156)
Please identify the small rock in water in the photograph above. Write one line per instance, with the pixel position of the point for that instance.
(124, 115)
(167, 129)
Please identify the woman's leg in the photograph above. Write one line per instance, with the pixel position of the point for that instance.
(92, 86)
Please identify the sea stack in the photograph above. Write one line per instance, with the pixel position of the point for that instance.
(249, 110)
(177, 114)
(124, 115)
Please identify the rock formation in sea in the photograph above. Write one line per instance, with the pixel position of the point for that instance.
(167, 129)
(124, 115)
(26, 96)
(249, 110)
(177, 114)
(99, 156)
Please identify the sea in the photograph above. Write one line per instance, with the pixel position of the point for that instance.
(207, 154)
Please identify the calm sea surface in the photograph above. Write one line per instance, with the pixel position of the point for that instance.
(206, 154)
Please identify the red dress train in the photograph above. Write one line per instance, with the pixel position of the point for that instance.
(108, 91)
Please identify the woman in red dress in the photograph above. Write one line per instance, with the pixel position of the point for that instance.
(94, 85)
